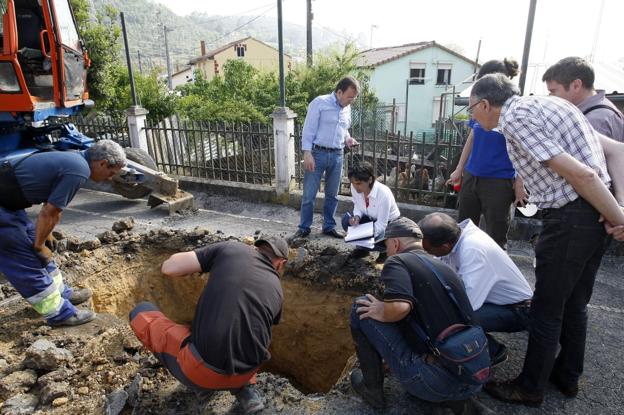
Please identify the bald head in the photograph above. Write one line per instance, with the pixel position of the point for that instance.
(440, 233)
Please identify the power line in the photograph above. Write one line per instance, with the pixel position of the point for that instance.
(243, 25)
(237, 14)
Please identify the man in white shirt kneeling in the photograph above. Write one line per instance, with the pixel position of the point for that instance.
(497, 290)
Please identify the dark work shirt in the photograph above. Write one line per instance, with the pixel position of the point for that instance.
(52, 177)
(241, 301)
(407, 279)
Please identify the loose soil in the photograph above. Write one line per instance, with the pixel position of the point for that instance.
(311, 347)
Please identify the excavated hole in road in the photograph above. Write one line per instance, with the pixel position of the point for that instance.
(310, 346)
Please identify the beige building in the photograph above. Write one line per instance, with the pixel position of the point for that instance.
(258, 54)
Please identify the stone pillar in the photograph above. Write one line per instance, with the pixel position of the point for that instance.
(283, 130)
(136, 127)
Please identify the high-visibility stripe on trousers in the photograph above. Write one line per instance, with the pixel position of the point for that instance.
(42, 287)
(168, 341)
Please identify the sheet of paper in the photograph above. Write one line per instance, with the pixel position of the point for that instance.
(364, 243)
(362, 231)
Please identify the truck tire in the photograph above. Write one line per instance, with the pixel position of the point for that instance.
(135, 191)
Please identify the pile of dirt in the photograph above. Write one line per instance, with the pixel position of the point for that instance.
(101, 367)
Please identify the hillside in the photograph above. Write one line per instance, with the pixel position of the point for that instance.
(145, 21)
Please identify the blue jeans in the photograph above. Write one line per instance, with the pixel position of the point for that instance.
(379, 246)
(329, 163)
(568, 253)
(502, 318)
(426, 381)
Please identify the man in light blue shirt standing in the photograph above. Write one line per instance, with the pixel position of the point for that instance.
(325, 134)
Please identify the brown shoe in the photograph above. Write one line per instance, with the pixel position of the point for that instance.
(511, 391)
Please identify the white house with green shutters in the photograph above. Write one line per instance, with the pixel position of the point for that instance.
(420, 74)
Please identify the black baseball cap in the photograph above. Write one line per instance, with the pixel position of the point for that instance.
(402, 227)
(279, 245)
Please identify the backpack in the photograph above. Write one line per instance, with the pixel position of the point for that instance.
(461, 348)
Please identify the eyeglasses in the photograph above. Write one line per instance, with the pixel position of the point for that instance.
(470, 109)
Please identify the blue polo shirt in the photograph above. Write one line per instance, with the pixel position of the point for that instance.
(489, 157)
(52, 177)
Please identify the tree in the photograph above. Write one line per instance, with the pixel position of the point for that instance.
(101, 37)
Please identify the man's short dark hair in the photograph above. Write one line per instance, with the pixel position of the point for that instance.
(362, 172)
(568, 69)
(439, 229)
(346, 83)
(495, 88)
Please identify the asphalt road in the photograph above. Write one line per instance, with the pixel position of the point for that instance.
(602, 386)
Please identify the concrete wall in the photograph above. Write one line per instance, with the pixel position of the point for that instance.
(389, 80)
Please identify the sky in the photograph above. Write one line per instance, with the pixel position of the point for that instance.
(561, 28)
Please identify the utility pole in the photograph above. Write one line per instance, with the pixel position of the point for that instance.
(476, 67)
(527, 45)
(280, 42)
(169, 71)
(128, 60)
(309, 18)
(139, 59)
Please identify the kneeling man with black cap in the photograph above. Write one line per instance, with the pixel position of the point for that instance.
(230, 334)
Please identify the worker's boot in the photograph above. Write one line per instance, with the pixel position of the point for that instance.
(249, 399)
(368, 380)
(80, 295)
(81, 317)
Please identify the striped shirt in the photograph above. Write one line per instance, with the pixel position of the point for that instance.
(540, 128)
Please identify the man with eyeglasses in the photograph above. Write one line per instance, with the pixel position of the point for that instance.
(557, 152)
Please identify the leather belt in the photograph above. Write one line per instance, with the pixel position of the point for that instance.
(321, 148)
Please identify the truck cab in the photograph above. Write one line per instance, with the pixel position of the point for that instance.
(43, 64)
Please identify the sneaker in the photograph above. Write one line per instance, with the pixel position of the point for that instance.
(569, 390)
(511, 391)
(81, 317)
(80, 295)
(249, 399)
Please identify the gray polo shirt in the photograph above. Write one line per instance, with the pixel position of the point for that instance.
(604, 120)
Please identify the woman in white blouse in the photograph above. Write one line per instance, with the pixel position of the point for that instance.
(372, 201)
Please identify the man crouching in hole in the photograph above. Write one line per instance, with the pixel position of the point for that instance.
(230, 334)
(380, 329)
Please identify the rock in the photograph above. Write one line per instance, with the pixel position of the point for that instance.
(54, 391)
(83, 390)
(73, 244)
(123, 225)
(60, 401)
(58, 235)
(91, 245)
(56, 376)
(115, 402)
(17, 382)
(108, 237)
(134, 391)
(3, 365)
(22, 404)
(43, 354)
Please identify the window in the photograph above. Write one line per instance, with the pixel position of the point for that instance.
(444, 74)
(417, 76)
(240, 50)
(69, 35)
(417, 73)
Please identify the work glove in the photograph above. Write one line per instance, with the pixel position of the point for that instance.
(44, 254)
(51, 242)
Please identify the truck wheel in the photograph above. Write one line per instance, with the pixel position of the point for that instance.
(135, 191)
